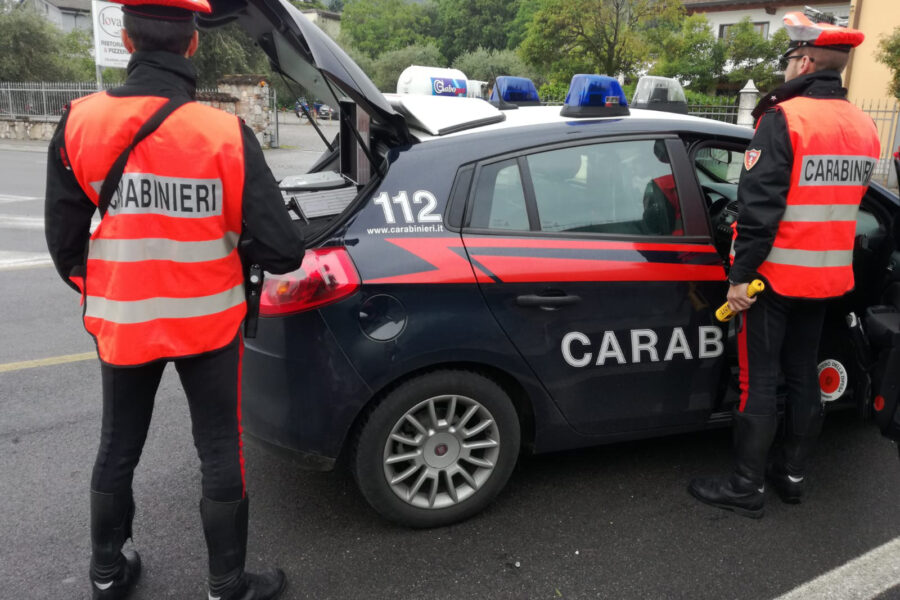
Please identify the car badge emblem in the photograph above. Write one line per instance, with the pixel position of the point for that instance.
(751, 157)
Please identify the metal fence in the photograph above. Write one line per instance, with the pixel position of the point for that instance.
(726, 111)
(886, 114)
(44, 99)
(40, 99)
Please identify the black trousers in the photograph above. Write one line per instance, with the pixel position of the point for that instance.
(778, 332)
(211, 382)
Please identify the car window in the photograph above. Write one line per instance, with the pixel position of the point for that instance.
(499, 201)
(718, 170)
(718, 165)
(615, 187)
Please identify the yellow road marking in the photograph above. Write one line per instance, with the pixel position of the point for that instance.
(46, 362)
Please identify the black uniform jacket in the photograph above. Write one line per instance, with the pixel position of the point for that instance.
(271, 239)
(763, 189)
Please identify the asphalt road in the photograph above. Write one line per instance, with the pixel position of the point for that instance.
(608, 522)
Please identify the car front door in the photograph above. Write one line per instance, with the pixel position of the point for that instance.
(597, 262)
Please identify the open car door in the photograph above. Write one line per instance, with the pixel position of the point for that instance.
(883, 333)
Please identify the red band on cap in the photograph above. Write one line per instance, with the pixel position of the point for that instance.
(201, 6)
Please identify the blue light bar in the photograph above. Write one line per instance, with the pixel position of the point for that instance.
(594, 96)
(514, 90)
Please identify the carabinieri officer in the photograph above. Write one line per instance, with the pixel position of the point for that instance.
(161, 280)
(805, 173)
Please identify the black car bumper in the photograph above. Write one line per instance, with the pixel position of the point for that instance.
(300, 393)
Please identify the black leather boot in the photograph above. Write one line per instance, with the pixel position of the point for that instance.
(787, 473)
(114, 572)
(742, 491)
(225, 529)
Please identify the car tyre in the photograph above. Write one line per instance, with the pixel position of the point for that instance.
(437, 449)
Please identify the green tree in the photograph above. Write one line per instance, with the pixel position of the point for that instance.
(387, 67)
(486, 65)
(377, 26)
(32, 49)
(889, 54)
(752, 56)
(464, 25)
(518, 27)
(693, 55)
(75, 52)
(227, 51)
(596, 36)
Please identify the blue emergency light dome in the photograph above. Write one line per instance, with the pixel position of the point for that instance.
(594, 96)
(519, 91)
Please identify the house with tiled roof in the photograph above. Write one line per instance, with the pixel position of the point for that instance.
(65, 14)
(766, 15)
(328, 21)
(865, 77)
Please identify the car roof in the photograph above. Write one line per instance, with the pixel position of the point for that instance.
(472, 118)
(536, 126)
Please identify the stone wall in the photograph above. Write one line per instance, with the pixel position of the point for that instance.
(26, 128)
(251, 94)
(244, 95)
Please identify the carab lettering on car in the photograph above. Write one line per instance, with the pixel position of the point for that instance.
(578, 349)
(620, 332)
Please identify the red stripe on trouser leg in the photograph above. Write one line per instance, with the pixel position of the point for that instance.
(240, 428)
(743, 362)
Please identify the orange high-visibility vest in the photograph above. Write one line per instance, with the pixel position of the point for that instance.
(835, 148)
(163, 276)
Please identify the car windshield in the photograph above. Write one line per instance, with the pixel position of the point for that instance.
(717, 165)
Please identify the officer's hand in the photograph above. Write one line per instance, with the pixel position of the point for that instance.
(737, 297)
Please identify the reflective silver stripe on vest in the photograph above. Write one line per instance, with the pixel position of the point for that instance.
(162, 249)
(820, 213)
(141, 311)
(810, 258)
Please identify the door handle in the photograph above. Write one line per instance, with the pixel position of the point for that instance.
(542, 301)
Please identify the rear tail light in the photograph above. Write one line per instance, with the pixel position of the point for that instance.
(326, 276)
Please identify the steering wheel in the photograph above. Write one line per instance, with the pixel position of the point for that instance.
(713, 196)
(716, 203)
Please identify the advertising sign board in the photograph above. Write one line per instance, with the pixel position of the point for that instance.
(108, 48)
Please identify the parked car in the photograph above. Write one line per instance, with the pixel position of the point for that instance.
(326, 112)
(484, 282)
(318, 107)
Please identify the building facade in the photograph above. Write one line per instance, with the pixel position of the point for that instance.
(65, 14)
(329, 22)
(866, 78)
(766, 15)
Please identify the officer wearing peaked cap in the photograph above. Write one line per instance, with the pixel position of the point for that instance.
(185, 195)
(805, 173)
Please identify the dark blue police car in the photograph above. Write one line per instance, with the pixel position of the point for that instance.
(487, 279)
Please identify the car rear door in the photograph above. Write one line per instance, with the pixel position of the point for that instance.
(596, 260)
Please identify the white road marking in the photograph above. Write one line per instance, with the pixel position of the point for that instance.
(23, 260)
(30, 223)
(864, 577)
(20, 222)
(7, 198)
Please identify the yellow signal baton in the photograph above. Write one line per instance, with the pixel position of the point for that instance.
(724, 312)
